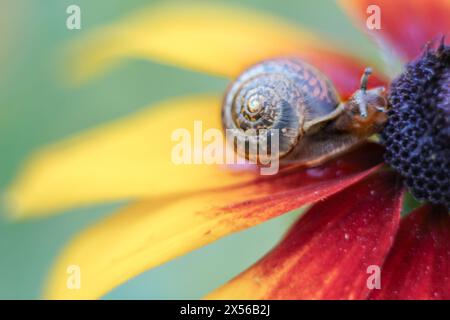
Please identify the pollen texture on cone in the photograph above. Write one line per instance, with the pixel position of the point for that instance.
(417, 135)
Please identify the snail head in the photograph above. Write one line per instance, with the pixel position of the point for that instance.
(365, 112)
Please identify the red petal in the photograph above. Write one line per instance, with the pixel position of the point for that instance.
(406, 25)
(418, 266)
(269, 196)
(327, 252)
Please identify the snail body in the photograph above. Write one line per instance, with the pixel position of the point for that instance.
(300, 104)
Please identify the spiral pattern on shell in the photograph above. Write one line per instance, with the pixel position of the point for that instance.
(275, 95)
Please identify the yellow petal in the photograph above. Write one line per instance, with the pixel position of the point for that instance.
(210, 38)
(127, 159)
(152, 232)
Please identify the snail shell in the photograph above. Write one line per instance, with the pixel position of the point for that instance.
(280, 94)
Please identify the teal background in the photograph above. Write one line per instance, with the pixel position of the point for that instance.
(36, 108)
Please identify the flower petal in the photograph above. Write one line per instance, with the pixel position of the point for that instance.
(327, 252)
(152, 232)
(129, 158)
(210, 38)
(406, 25)
(418, 266)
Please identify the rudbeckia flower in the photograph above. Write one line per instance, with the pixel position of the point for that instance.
(354, 224)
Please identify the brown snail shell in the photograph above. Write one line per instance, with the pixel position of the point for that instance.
(283, 94)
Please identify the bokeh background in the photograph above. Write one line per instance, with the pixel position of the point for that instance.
(37, 107)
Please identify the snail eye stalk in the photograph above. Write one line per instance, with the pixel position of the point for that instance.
(365, 79)
(363, 89)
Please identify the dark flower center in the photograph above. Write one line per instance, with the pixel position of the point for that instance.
(417, 134)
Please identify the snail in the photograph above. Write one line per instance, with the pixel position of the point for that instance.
(295, 100)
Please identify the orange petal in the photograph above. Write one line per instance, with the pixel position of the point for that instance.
(150, 233)
(219, 40)
(418, 266)
(406, 25)
(327, 252)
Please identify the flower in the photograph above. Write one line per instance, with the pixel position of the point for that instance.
(354, 224)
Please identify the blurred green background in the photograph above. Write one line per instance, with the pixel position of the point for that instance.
(36, 108)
